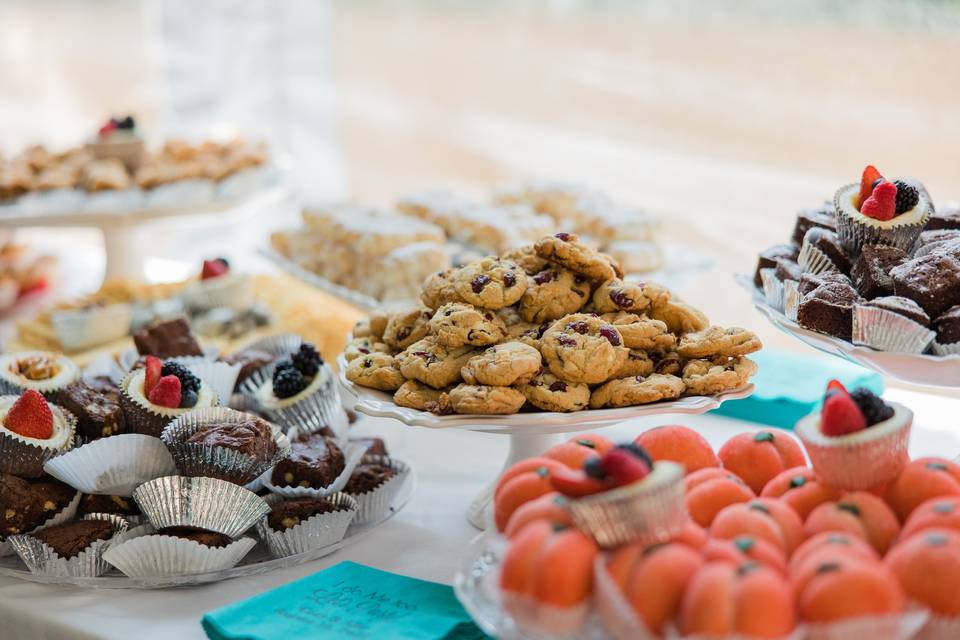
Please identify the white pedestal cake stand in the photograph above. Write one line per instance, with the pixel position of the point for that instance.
(530, 433)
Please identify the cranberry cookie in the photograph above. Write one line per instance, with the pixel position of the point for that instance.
(406, 327)
(679, 317)
(641, 332)
(548, 392)
(719, 341)
(566, 249)
(416, 395)
(363, 346)
(552, 294)
(635, 297)
(491, 283)
(583, 348)
(503, 365)
(709, 377)
(438, 289)
(376, 370)
(527, 259)
(628, 392)
(638, 363)
(456, 324)
(432, 363)
(485, 400)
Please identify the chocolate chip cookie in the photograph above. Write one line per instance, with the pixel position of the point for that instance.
(583, 348)
(491, 283)
(363, 346)
(548, 392)
(406, 327)
(433, 363)
(376, 370)
(707, 377)
(566, 249)
(719, 341)
(503, 365)
(438, 289)
(485, 400)
(457, 323)
(628, 392)
(416, 395)
(552, 294)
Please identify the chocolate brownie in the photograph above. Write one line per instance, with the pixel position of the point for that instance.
(932, 281)
(204, 537)
(314, 461)
(117, 505)
(167, 340)
(27, 504)
(827, 241)
(96, 404)
(249, 360)
(871, 270)
(289, 513)
(787, 270)
(252, 437)
(807, 219)
(810, 281)
(768, 259)
(375, 446)
(945, 219)
(937, 235)
(948, 326)
(829, 309)
(902, 306)
(367, 477)
(71, 538)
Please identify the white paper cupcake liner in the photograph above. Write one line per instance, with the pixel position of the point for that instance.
(19, 456)
(352, 453)
(232, 291)
(41, 559)
(889, 331)
(77, 330)
(218, 462)
(618, 618)
(114, 200)
(772, 289)
(648, 511)
(814, 260)
(221, 376)
(204, 503)
(946, 349)
(113, 466)
(376, 503)
(180, 194)
(890, 627)
(321, 530)
(161, 555)
(855, 233)
(310, 413)
(104, 365)
(64, 515)
(279, 346)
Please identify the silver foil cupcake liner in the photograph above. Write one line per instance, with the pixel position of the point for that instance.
(221, 377)
(772, 289)
(888, 331)
(648, 511)
(352, 454)
(814, 260)
(376, 503)
(150, 554)
(854, 233)
(950, 349)
(791, 298)
(20, 457)
(89, 563)
(218, 462)
(309, 413)
(203, 503)
(113, 466)
(322, 530)
(64, 515)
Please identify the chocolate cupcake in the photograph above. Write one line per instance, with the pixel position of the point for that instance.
(298, 525)
(768, 259)
(892, 323)
(871, 270)
(43, 371)
(116, 505)
(948, 332)
(71, 549)
(96, 405)
(932, 281)
(200, 536)
(822, 252)
(829, 309)
(32, 431)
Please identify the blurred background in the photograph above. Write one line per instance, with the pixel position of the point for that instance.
(722, 117)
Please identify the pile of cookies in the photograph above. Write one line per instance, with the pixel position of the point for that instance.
(552, 326)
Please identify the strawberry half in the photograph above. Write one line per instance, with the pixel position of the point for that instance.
(836, 385)
(623, 467)
(151, 374)
(574, 483)
(213, 269)
(840, 414)
(869, 177)
(30, 416)
(882, 203)
(166, 393)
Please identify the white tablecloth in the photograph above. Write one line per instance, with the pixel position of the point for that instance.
(425, 540)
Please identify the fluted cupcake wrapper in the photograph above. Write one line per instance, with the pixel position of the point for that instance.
(316, 532)
(217, 462)
(204, 503)
(791, 298)
(950, 349)
(854, 233)
(888, 627)
(280, 345)
(352, 453)
(619, 619)
(376, 503)
(537, 620)
(20, 457)
(221, 376)
(107, 366)
(89, 563)
(141, 417)
(814, 260)
(772, 289)
(231, 291)
(113, 466)
(889, 331)
(309, 413)
(648, 511)
(64, 515)
(153, 554)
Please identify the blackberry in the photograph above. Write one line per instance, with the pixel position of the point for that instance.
(594, 469)
(188, 398)
(907, 196)
(187, 379)
(873, 408)
(307, 361)
(288, 382)
(224, 262)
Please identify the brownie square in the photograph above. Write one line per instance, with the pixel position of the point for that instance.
(204, 537)
(829, 244)
(787, 270)
(72, 538)
(375, 446)
(768, 259)
(252, 437)
(367, 477)
(807, 219)
(314, 461)
(945, 219)
(289, 513)
(937, 236)
(96, 404)
(932, 281)
(871, 270)
(167, 340)
(27, 504)
(810, 281)
(116, 505)
(948, 326)
(829, 309)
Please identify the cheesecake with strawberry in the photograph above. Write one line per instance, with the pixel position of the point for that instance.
(159, 392)
(43, 371)
(31, 432)
(857, 441)
(879, 210)
(219, 286)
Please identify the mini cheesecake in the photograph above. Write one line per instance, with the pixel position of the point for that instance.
(269, 401)
(24, 456)
(143, 416)
(43, 371)
(856, 229)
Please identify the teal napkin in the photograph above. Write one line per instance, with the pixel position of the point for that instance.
(348, 601)
(790, 386)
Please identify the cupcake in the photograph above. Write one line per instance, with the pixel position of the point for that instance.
(219, 286)
(299, 525)
(31, 432)
(892, 323)
(856, 441)
(176, 551)
(29, 505)
(374, 484)
(159, 393)
(44, 371)
(71, 549)
(297, 392)
(878, 211)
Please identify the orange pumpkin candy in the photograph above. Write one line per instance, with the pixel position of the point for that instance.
(527, 480)
(801, 489)
(552, 507)
(839, 589)
(765, 518)
(928, 568)
(710, 490)
(758, 457)
(577, 451)
(745, 549)
(692, 535)
(860, 513)
(831, 545)
(679, 444)
(920, 480)
(938, 513)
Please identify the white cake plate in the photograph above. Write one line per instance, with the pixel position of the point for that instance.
(914, 368)
(530, 433)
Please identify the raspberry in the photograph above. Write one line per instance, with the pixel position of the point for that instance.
(166, 393)
(867, 182)
(152, 374)
(30, 416)
(638, 451)
(187, 379)
(907, 196)
(623, 467)
(288, 382)
(214, 268)
(882, 204)
(307, 361)
(873, 408)
(840, 415)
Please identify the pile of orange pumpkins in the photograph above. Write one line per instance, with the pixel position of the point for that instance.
(768, 551)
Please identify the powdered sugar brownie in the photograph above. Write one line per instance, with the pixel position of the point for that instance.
(406, 327)
(416, 395)
(583, 348)
(503, 365)
(627, 392)
(377, 371)
(708, 377)
(552, 294)
(548, 392)
(491, 283)
(485, 400)
(432, 363)
(719, 341)
(567, 250)
(456, 324)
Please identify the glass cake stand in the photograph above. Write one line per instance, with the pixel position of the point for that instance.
(530, 433)
(914, 368)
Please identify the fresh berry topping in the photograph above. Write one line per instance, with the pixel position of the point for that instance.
(623, 467)
(558, 386)
(840, 415)
(575, 483)
(108, 127)
(152, 373)
(610, 334)
(509, 279)
(562, 236)
(873, 408)
(594, 468)
(187, 379)
(126, 124)
(307, 360)
(288, 382)
(882, 204)
(835, 384)
(166, 393)
(188, 398)
(214, 268)
(479, 283)
(638, 451)
(907, 196)
(621, 299)
(580, 327)
(867, 180)
(544, 277)
(30, 416)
